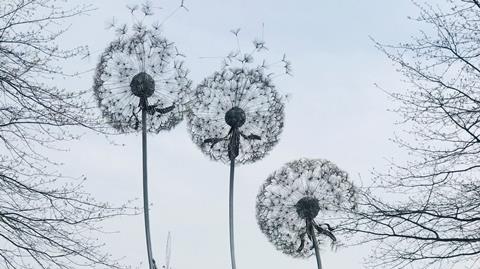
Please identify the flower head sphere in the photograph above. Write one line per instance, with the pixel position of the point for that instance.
(301, 200)
(141, 70)
(236, 113)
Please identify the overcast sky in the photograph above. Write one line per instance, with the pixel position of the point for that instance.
(334, 112)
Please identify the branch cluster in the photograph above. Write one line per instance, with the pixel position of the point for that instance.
(43, 222)
(432, 215)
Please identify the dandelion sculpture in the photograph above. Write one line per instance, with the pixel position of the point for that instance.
(297, 206)
(236, 117)
(141, 83)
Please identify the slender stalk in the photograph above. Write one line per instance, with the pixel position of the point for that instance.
(230, 214)
(317, 251)
(145, 188)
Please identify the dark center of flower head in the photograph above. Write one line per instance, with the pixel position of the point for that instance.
(307, 208)
(142, 85)
(235, 117)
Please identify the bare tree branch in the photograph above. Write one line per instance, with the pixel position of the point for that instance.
(426, 212)
(43, 223)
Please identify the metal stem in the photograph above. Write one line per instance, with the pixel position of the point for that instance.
(145, 188)
(230, 214)
(315, 245)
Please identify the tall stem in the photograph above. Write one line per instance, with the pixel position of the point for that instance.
(230, 213)
(145, 187)
(315, 245)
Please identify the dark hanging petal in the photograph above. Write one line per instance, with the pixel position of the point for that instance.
(302, 242)
(251, 137)
(165, 109)
(326, 232)
(212, 141)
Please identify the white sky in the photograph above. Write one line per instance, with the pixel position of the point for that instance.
(335, 112)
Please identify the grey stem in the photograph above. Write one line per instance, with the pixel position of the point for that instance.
(317, 251)
(230, 214)
(145, 188)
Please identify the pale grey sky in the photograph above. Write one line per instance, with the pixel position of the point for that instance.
(335, 112)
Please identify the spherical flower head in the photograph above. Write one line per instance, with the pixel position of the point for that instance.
(141, 70)
(236, 99)
(303, 191)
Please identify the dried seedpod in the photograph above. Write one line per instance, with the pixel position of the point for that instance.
(142, 72)
(298, 204)
(141, 83)
(236, 115)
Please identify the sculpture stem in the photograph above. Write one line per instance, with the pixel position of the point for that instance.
(230, 213)
(145, 187)
(315, 245)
